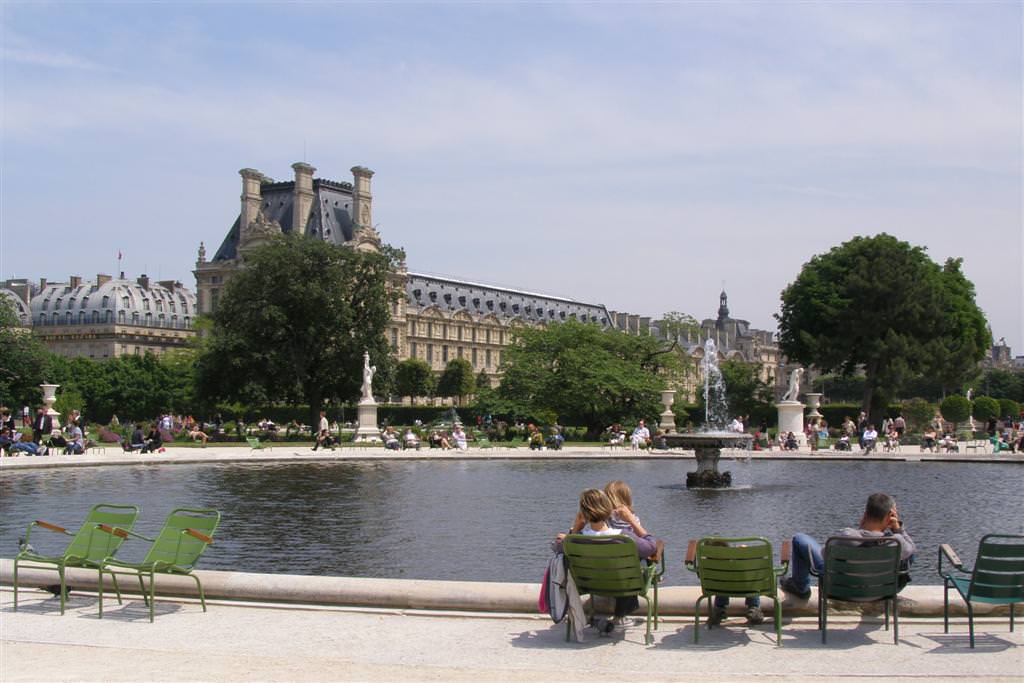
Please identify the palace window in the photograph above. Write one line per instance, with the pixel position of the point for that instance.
(488, 357)
(85, 301)
(394, 338)
(121, 317)
(42, 318)
(444, 353)
(444, 331)
(106, 302)
(96, 316)
(474, 358)
(473, 334)
(430, 329)
(214, 298)
(145, 304)
(459, 350)
(412, 328)
(487, 338)
(81, 317)
(430, 353)
(56, 319)
(413, 350)
(135, 318)
(46, 304)
(458, 332)
(110, 316)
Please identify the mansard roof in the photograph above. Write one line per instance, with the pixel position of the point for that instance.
(330, 216)
(452, 295)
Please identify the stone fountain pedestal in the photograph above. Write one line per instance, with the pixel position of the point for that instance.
(707, 447)
(791, 419)
(49, 398)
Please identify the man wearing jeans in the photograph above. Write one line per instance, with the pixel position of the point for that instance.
(880, 519)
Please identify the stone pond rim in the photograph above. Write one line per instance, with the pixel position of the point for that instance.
(707, 446)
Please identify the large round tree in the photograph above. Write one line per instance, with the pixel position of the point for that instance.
(293, 324)
(881, 305)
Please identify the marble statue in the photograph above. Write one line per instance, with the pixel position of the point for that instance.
(793, 393)
(368, 373)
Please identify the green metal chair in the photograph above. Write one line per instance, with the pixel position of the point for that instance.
(860, 570)
(255, 445)
(176, 549)
(608, 566)
(736, 568)
(89, 546)
(997, 577)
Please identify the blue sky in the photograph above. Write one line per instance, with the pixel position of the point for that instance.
(632, 155)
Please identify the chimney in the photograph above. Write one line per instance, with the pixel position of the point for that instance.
(302, 198)
(75, 281)
(102, 279)
(169, 284)
(362, 200)
(250, 196)
(143, 281)
(42, 283)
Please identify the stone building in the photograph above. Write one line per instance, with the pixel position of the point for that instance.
(438, 319)
(105, 317)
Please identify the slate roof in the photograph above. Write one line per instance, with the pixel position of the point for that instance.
(451, 295)
(330, 216)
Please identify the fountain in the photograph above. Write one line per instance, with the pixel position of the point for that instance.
(707, 445)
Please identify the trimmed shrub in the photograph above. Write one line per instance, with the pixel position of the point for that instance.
(955, 409)
(985, 408)
(1009, 408)
(918, 413)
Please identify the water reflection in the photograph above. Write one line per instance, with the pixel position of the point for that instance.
(492, 520)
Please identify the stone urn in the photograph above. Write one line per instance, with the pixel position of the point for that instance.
(667, 421)
(49, 398)
(813, 402)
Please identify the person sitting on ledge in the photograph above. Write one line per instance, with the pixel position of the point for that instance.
(197, 434)
(154, 442)
(791, 442)
(535, 437)
(75, 441)
(459, 437)
(880, 518)
(410, 439)
(928, 440)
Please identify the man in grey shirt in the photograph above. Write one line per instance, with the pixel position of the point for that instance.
(881, 518)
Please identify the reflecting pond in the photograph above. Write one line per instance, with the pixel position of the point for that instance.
(491, 520)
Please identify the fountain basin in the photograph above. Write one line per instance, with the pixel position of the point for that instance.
(707, 447)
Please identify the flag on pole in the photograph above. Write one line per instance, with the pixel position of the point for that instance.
(119, 255)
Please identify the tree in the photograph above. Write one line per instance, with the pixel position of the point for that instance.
(457, 380)
(413, 377)
(23, 359)
(483, 381)
(745, 392)
(1002, 383)
(955, 409)
(1008, 408)
(985, 408)
(880, 305)
(583, 374)
(292, 326)
(918, 413)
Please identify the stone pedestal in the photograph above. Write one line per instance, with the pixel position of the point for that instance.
(367, 430)
(791, 419)
(667, 423)
(707, 475)
(813, 402)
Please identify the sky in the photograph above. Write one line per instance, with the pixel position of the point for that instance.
(634, 155)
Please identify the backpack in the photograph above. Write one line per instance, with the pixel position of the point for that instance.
(553, 598)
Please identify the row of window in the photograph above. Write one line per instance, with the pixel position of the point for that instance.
(108, 317)
(490, 360)
(126, 302)
(461, 333)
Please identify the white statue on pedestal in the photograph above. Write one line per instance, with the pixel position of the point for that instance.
(793, 393)
(368, 373)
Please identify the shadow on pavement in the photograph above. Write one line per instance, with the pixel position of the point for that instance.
(959, 643)
(134, 610)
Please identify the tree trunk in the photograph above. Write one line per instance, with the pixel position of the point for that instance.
(316, 404)
(869, 389)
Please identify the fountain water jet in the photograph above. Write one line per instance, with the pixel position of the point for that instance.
(707, 444)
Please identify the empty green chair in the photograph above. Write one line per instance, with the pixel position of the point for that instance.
(89, 546)
(609, 566)
(996, 579)
(860, 570)
(736, 568)
(255, 445)
(176, 550)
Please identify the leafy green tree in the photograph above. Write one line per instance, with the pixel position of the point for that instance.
(985, 408)
(23, 360)
(955, 409)
(879, 305)
(457, 380)
(1009, 408)
(745, 392)
(291, 327)
(918, 413)
(1002, 383)
(483, 381)
(584, 375)
(413, 378)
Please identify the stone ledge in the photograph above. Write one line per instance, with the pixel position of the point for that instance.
(468, 596)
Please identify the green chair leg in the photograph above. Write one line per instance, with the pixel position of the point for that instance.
(60, 570)
(886, 615)
(1012, 605)
(142, 588)
(99, 573)
(152, 594)
(778, 621)
(896, 621)
(696, 620)
(117, 589)
(970, 622)
(15, 585)
(945, 607)
(199, 586)
(824, 621)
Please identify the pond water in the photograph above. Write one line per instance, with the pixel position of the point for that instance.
(493, 520)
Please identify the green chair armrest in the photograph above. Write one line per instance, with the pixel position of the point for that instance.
(691, 556)
(45, 525)
(658, 559)
(946, 550)
(113, 530)
(198, 534)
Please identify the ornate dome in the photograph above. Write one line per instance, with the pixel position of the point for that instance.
(20, 307)
(126, 302)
